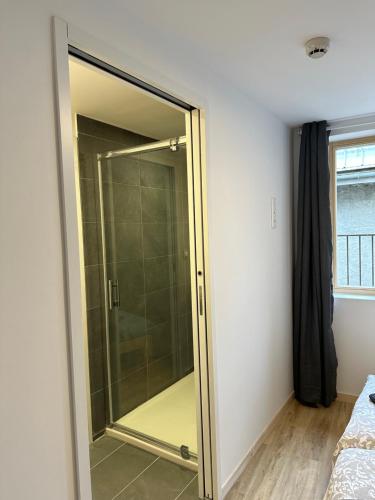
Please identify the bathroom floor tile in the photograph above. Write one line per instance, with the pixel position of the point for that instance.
(191, 491)
(101, 448)
(162, 481)
(109, 477)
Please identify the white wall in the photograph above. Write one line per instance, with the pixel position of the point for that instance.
(354, 331)
(251, 272)
(248, 161)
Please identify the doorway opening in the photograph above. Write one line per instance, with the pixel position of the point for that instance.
(141, 235)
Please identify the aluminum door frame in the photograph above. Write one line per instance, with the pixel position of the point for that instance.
(74, 283)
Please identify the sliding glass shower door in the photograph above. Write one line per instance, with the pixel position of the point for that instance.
(144, 205)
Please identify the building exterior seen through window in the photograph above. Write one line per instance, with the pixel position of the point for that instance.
(355, 216)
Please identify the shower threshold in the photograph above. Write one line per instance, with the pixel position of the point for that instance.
(164, 423)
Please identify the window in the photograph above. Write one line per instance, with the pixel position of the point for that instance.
(353, 214)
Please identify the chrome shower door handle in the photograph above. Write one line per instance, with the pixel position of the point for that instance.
(110, 294)
(116, 294)
(113, 294)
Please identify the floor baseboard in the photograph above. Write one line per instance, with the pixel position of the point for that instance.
(254, 448)
(346, 398)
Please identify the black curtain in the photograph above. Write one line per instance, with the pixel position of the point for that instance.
(314, 353)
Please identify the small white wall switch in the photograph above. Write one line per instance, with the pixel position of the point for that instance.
(273, 212)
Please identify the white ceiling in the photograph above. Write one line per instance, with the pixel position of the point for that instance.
(103, 97)
(259, 46)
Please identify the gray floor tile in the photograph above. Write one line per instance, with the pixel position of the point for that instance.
(191, 492)
(110, 476)
(162, 481)
(103, 447)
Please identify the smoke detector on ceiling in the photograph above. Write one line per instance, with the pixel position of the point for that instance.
(317, 47)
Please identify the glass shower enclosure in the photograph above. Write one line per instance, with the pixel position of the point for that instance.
(146, 247)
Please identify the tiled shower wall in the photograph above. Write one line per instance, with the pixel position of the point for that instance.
(147, 239)
(147, 246)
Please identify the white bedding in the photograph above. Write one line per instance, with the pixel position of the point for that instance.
(353, 476)
(360, 431)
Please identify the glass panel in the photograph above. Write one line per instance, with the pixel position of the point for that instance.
(355, 220)
(145, 212)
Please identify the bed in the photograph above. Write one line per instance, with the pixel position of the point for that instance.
(353, 476)
(360, 431)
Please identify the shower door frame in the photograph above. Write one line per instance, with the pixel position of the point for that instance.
(114, 429)
(64, 37)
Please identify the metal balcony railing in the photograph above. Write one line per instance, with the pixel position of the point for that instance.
(356, 259)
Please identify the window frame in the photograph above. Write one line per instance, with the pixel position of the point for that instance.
(333, 147)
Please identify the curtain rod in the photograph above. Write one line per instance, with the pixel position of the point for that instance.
(328, 128)
(345, 125)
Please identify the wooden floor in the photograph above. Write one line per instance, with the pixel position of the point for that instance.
(293, 461)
